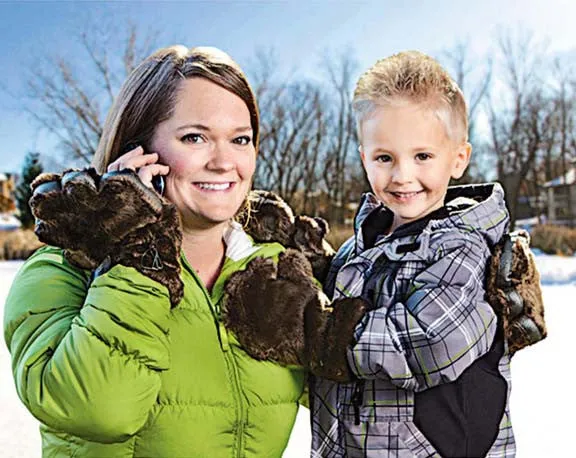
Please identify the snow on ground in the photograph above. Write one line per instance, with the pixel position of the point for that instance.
(542, 404)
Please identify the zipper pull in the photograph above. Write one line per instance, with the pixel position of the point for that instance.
(357, 399)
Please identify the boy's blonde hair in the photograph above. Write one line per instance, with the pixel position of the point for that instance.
(415, 77)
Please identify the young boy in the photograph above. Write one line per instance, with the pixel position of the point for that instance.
(431, 370)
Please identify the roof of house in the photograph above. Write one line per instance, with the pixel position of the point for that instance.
(568, 178)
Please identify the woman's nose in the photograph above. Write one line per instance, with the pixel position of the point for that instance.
(221, 157)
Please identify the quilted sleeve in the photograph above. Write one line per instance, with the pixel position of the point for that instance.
(86, 358)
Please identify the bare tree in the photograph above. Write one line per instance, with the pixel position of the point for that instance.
(519, 118)
(565, 107)
(292, 123)
(473, 76)
(70, 99)
(342, 141)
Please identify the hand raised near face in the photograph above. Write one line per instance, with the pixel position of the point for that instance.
(144, 164)
(111, 219)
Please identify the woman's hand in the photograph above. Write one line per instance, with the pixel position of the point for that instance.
(265, 306)
(144, 164)
(101, 221)
(279, 313)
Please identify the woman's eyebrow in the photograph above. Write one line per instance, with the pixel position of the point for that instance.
(202, 127)
(194, 126)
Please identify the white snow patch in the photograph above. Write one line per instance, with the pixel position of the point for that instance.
(542, 402)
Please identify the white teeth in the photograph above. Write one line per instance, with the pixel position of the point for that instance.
(406, 195)
(214, 186)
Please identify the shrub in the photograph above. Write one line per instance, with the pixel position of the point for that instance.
(554, 239)
(18, 244)
(31, 169)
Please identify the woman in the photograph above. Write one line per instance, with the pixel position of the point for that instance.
(112, 363)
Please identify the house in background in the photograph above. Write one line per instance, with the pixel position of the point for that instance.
(560, 196)
(8, 219)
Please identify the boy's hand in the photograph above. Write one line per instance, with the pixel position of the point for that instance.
(513, 290)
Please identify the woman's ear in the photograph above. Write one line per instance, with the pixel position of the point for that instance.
(461, 160)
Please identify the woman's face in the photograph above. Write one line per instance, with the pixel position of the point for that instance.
(207, 143)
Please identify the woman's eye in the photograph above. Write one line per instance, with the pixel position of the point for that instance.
(243, 140)
(192, 138)
(384, 158)
(423, 156)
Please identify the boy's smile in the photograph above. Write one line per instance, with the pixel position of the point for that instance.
(409, 159)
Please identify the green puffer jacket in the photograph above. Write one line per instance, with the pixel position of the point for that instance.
(111, 371)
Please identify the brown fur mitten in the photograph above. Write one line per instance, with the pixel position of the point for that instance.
(270, 219)
(101, 221)
(265, 304)
(329, 333)
(309, 236)
(513, 290)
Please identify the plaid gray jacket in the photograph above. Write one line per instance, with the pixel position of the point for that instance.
(427, 323)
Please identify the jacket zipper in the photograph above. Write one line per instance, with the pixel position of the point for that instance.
(357, 400)
(230, 362)
(233, 368)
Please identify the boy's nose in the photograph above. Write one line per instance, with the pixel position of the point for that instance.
(221, 157)
(402, 173)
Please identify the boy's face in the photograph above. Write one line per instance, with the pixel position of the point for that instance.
(409, 159)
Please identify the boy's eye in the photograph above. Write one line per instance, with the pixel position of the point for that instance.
(192, 138)
(243, 140)
(384, 158)
(423, 156)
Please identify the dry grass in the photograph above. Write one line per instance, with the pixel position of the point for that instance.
(18, 244)
(554, 239)
(339, 234)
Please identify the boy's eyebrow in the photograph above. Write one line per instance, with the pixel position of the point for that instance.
(205, 128)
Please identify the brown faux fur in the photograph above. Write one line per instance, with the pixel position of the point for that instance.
(278, 313)
(513, 289)
(271, 219)
(265, 305)
(101, 221)
(329, 332)
(309, 236)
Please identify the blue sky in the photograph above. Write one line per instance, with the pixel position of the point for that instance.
(300, 32)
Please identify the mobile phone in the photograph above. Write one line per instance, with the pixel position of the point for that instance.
(158, 182)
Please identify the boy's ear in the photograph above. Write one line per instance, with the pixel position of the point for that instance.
(362, 156)
(462, 160)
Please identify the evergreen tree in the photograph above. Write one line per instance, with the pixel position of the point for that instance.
(30, 170)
